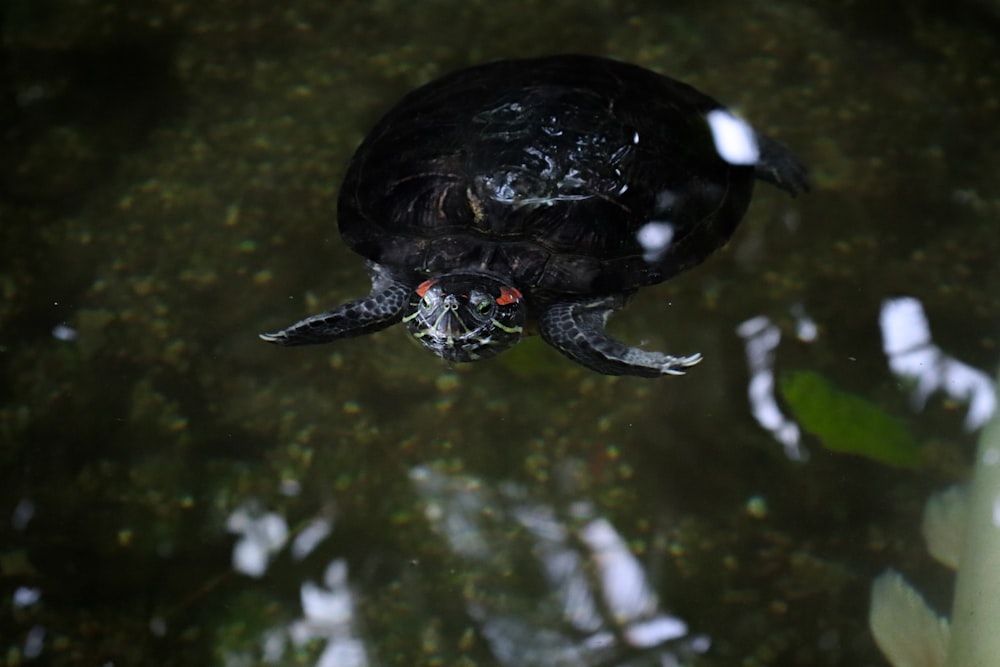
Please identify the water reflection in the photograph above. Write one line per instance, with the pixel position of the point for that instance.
(597, 607)
(328, 614)
(761, 338)
(137, 413)
(260, 537)
(327, 608)
(961, 528)
(912, 356)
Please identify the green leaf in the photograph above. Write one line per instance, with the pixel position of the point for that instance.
(845, 422)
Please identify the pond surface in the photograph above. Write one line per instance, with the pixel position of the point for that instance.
(173, 491)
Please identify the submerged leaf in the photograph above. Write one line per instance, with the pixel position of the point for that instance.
(846, 422)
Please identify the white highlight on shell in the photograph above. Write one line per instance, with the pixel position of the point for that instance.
(735, 141)
(665, 201)
(655, 238)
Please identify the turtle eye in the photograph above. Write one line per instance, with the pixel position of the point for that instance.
(481, 303)
(483, 307)
(424, 292)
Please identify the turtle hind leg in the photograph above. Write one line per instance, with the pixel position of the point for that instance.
(778, 166)
(382, 307)
(576, 328)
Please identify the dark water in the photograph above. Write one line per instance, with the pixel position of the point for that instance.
(168, 175)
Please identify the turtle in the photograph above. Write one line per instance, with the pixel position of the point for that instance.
(537, 195)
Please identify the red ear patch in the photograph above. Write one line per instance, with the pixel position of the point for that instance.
(423, 287)
(508, 295)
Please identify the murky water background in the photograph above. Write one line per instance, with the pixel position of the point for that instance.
(174, 491)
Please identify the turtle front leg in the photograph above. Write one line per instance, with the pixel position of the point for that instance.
(382, 307)
(577, 329)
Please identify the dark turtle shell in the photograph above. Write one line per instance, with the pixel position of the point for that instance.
(542, 172)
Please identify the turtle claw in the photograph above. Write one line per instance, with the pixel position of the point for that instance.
(275, 337)
(576, 328)
(341, 322)
(677, 365)
(382, 307)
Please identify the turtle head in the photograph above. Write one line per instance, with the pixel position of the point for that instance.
(465, 317)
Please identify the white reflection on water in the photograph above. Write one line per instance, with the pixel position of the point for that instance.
(34, 642)
(328, 608)
(260, 537)
(913, 356)
(23, 512)
(310, 537)
(328, 613)
(597, 603)
(761, 337)
(25, 596)
(65, 333)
